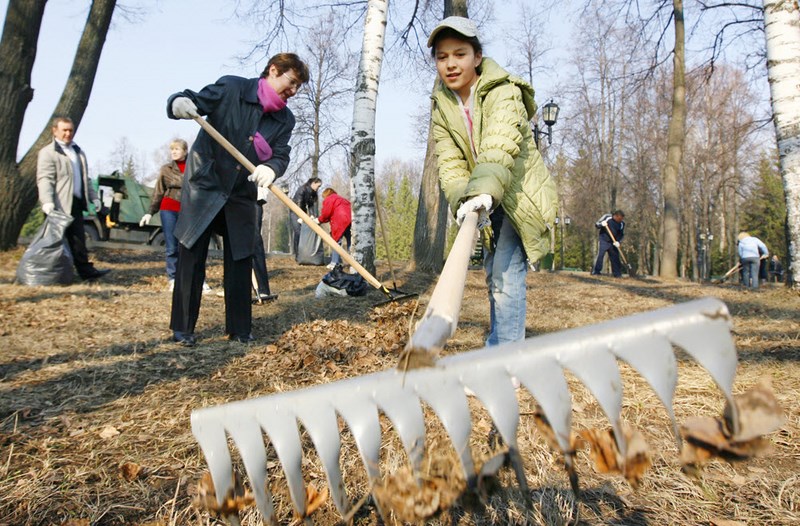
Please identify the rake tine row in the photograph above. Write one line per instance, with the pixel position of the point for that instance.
(645, 341)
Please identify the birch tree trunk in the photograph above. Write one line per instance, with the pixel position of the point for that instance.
(430, 227)
(676, 137)
(782, 24)
(18, 193)
(362, 143)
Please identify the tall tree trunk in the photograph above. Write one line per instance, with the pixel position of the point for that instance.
(430, 228)
(782, 24)
(17, 55)
(362, 151)
(676, 134)
(18, 193)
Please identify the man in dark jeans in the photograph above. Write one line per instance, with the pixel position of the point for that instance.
(615, 223)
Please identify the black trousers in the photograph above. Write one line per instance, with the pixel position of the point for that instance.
(76, 239)
(260, 258)
(613, 256)
(191, 274)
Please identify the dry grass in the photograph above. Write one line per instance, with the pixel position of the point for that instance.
(89, 383)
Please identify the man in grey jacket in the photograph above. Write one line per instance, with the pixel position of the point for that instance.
(62, 178)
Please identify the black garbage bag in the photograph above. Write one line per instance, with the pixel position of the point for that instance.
(48, 260)
(309, 247)
(353, 284)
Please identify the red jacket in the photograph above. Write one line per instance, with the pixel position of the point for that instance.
(336, 209)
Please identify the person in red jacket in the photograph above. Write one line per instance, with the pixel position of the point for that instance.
(336, 210)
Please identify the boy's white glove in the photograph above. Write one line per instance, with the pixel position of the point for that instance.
(184, 108)
(300, 220)
(47, 208)
(145, 219)
(474, 204)
(262, 176)
(616, 244)
(604, 222)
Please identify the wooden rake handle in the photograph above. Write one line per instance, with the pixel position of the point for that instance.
(231, 149)
(621, 254)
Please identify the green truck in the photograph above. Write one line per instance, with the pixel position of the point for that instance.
(125, 201)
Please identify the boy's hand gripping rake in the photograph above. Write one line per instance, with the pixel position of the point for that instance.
(283, 198)
(645, 341)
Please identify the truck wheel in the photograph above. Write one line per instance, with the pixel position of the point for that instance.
(159, 240)
(91, 231)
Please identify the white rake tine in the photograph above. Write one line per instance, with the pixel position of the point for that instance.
(446, 397)
(712, 347)
(285, 438)
(250, 442)
(652, 357)
(544, 379)
(361, 416)
(320, 421)
(598, 370)
(402, 407)
(208, 427)
(494, 389)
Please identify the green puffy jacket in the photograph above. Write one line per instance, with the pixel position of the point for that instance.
(508, 166)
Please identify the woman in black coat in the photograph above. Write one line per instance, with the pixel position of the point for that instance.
(218, 193)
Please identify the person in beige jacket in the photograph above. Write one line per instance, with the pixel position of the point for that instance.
(62, 178)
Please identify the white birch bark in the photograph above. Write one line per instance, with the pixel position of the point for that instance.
(782, 24)
(362, 142)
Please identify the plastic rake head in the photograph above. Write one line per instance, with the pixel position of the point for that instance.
(645, 341)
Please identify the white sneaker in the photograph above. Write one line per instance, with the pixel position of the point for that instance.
(171, 285)
(206, 288)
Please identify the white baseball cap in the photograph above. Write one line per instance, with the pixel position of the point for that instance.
(462, 25)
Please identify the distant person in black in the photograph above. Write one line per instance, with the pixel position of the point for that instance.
(615, 223)
(307, 199)
(776, 269)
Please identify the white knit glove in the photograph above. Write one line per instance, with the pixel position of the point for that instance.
(47, 208)
(604, 223)
(263, 176)
(616, 244)
(300, 220)
(474, 204)
(145, 219)
(184, 108)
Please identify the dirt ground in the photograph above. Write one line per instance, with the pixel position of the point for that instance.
(95, 399)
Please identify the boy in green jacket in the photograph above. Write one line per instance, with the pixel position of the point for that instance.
(489, 163)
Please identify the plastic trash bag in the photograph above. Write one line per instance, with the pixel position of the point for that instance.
(309, 247)
(352, 284)
(48, 259)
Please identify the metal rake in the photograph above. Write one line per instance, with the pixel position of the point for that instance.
(645, 341)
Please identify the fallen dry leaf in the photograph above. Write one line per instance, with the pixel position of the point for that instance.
(131, 471)
(76, 522)
(314, 499)
(726, 522)
(708, 437)
(410, 502)
(236, 500)
(109, 432)
(607, 458)
(759, 412)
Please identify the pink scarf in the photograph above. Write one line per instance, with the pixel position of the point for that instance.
(270, 101)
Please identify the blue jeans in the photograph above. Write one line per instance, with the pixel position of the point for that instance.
(506, 269)
(335, 257)
(750, 272)
(168, 221)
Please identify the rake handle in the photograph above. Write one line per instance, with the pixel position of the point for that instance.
(613, 239)
(244, 161)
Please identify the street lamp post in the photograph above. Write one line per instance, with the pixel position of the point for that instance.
(560, 222)
(549, 116)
